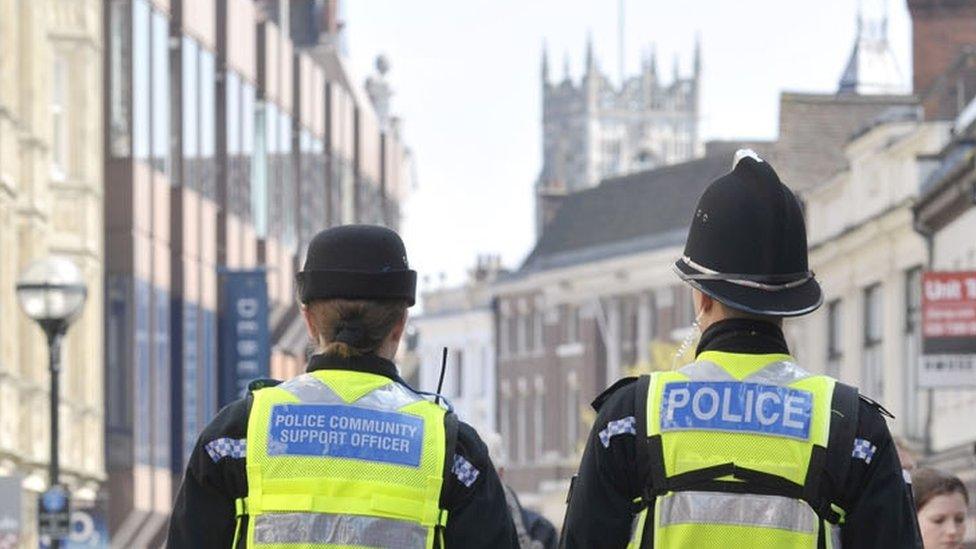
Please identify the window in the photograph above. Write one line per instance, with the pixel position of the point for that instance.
(161, 95)
(522, 335)
(119, 63)
(540, 418)
(59, 113)
(571, 323)
(521, 429)
(537, 341)
(142, 422)
(248, 135)
(286, 180)
(458, 373)
(513, 341)
(191, 383)
(872, 379)
(529, 332)
(161, 380)
(190, 68)
(207, 174)
(141, 76)
(259, 173)
(572, 414)
(834, 341)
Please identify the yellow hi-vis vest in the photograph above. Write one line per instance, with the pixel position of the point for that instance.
(337, 458)
(737, 447)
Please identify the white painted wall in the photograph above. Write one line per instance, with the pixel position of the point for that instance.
(471, 333)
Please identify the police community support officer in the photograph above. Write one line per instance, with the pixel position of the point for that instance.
(346, 454)
(742, 448)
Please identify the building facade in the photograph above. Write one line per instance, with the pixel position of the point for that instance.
(869, 261)
(224, 130)
(593, 302)
(51, 187)
(945, 217)
(595, 129)
(462, 319)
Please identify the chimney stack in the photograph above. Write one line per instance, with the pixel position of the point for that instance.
(940, 30)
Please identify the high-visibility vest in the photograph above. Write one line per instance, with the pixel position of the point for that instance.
(738, 446)
(337, 458)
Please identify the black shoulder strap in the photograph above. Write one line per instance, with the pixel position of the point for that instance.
(645, 456)
(843, 425)
(450, 438)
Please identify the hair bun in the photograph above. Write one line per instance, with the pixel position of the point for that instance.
(350, 333)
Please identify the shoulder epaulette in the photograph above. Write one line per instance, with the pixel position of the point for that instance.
(602, 397)
(876, 405)
(261, 383)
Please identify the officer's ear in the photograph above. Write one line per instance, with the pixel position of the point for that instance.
(397, 331)
(703, 302)
(313, 333)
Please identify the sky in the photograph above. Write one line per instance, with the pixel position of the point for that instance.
(466, 78)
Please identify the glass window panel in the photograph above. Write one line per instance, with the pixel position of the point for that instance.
(207, 120)
(161, 381)
(160, 92)
(247, 118)
(233, 114)
(190, 82)
(259, 173)
(191, 100)
(286, 178)
(140, 78)
(208, 172)
(120, 82)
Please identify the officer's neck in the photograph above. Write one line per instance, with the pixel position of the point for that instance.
(743, 335)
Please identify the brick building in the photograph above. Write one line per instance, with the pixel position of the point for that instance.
(595, 300)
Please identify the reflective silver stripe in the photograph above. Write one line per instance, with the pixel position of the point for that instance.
(737, 509)
(704, 370)
(388, 397)
(311, 390)
(781, 373)
(835, 537)
(329, 529)
(710, 274)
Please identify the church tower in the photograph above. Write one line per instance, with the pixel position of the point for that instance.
(872, 69)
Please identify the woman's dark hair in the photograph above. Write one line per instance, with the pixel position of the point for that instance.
(929, 483)
(354, 327)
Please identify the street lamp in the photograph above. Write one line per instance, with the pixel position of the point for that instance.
(52, 292)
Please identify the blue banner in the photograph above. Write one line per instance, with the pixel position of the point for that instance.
(736, 407)
(345, 431)
(244, 345)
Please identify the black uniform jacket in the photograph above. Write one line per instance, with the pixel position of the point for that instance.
(203, 516)
(880, 512)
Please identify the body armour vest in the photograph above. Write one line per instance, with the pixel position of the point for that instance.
(737, 447)
(338, 458)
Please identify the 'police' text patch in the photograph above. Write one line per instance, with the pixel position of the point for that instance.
(329, 430)
(737, 407)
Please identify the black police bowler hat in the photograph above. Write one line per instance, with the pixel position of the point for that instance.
(747, 245)
(357, 262)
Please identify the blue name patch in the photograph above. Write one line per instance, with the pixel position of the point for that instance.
(329, 430)
(738, 407)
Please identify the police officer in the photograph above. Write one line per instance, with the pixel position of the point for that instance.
(742, 447)
(346, 454)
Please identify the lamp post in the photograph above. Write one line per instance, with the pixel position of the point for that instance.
(52, 292)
